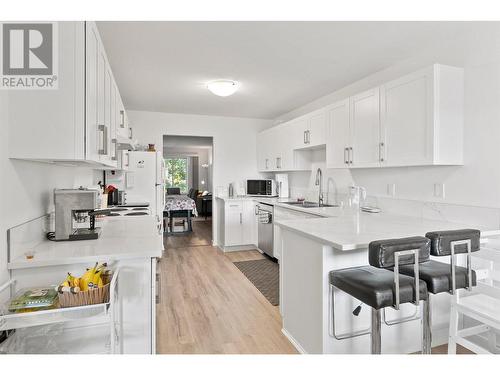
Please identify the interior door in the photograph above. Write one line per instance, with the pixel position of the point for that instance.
(365, 129)
(406, 119)
(338, 135)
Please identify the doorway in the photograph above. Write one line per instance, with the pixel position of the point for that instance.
(189, 186)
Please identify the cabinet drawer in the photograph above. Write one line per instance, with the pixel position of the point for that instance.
(234, 206)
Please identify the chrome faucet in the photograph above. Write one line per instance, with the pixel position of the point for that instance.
(319, 182)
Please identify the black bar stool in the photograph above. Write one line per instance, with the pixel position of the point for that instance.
(378, 286)
(441, 277)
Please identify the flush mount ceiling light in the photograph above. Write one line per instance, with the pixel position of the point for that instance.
(222, 87)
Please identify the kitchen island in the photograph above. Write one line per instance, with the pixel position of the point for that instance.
(312, 248)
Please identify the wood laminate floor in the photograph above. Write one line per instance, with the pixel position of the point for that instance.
(209, 307)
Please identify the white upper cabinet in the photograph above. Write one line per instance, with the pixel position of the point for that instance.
(77, 122)
(365, 129)
(309, 130)
(316, 133)
(338, 135)
(422, 118)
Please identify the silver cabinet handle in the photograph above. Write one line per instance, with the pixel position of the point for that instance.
(115, 155)
(128, 159)
(346, 155)
(104, 149)
(267, 163)
(241, 218)
(256, 210)
(122, 119)
(351, 155)
(308, 136)
(130, 133)
(305, 136)
(382, 151)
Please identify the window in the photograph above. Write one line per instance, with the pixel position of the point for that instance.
(177, 173)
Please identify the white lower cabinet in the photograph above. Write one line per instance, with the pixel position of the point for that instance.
(281, 213)
(238, 226)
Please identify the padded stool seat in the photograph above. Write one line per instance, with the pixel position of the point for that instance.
(437, 276)
(375, 286)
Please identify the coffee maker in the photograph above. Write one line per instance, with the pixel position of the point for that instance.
(75, 205)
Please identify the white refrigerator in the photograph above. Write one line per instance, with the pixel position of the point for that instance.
(144, 181)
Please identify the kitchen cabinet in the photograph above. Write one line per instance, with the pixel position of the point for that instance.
(310, 130)
(422, 118)
(338, 135)
(414, 120)
(238, 223)
(364, 129)
(74, 124)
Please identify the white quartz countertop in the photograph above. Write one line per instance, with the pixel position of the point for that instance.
(121, 238)
(351, 231)
(281, 202)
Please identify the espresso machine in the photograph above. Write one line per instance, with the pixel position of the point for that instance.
(74, 206)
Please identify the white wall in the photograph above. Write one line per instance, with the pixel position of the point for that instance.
(234, 141)
(476, 183)
(26, 187)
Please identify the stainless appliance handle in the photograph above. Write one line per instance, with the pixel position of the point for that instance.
(104, 149)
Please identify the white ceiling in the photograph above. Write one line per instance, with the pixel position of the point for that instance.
(162, 66)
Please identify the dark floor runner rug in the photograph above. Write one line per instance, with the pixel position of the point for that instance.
(264, 274)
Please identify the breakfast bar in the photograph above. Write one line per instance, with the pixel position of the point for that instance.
(314, 247)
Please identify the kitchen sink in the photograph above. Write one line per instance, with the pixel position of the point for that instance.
(306, 204)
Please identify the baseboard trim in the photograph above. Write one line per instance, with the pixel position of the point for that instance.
(228, 249)
(294, 342)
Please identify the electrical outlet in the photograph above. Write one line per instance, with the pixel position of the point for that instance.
(439, 190)
(391, 190)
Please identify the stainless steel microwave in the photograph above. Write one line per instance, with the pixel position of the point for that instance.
(265, 187)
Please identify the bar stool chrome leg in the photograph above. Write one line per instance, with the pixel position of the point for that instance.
(426, 327)
(376, 337)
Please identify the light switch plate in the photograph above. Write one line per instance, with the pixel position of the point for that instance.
(391, 190)
(439, 190)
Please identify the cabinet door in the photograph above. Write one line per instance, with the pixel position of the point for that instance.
(299, 128)
(338, 135)
(316, 131)
(249, 223)
(92, 97)
(406, 119)
(365, 129)
(109, 153)
(263, 162)
(233, 232)
(282, 148)
(114, 144)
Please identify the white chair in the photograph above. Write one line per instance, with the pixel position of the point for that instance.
(483, 307)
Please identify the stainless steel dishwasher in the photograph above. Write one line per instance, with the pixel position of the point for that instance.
(265, 228)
